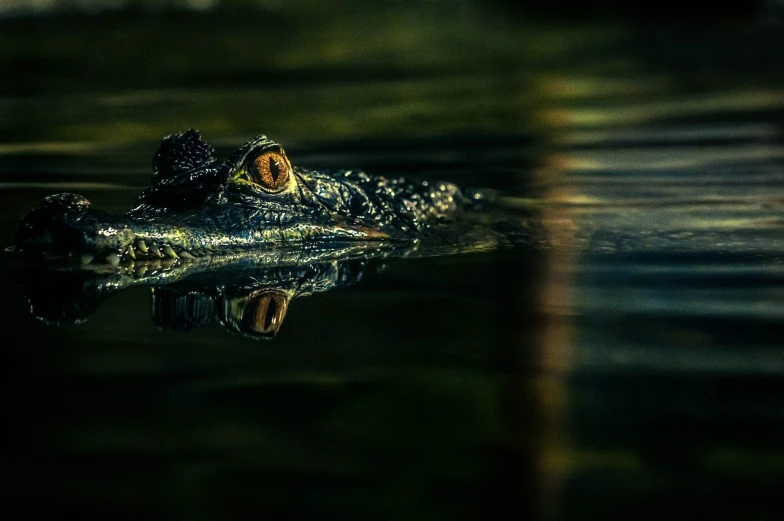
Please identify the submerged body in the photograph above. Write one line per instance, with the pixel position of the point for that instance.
(200, 206)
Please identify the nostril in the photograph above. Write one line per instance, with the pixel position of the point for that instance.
(50, 225)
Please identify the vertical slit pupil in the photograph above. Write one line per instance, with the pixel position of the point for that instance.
(269, 316)
(274, 169)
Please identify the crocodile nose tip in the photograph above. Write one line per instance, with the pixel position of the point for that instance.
(43, 226)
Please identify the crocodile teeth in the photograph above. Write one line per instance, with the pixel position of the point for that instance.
(170, 252)
(131, 253)
(113, 259)
(155, 251)
(187, 255)
(168, 262)
(140, 271)
(86, 258)
(142, 246)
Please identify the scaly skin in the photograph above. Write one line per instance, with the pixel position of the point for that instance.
(199, 206)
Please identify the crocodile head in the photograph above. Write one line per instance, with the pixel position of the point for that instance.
(200, 206)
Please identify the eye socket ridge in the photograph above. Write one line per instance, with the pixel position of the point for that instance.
(270, 169)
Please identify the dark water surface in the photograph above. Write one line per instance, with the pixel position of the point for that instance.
(630, 366)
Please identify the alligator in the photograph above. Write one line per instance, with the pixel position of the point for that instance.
(242, 237)
(198, 206)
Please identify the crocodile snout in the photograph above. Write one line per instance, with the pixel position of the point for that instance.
(64, 225)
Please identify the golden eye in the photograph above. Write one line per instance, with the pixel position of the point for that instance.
(270, 170)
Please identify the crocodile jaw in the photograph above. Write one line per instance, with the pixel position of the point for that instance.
(64, 226)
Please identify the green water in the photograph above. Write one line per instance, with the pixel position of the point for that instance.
(631, 366)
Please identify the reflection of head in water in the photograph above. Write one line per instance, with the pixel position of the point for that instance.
(250, 300)
(252, 303)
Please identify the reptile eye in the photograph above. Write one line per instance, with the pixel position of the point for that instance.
(264, 313)
(270, 170)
